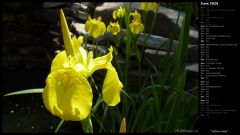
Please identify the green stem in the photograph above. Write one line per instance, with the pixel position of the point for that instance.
(154, 21)
(85, 41)
(95, 85)
(115, 52)
(87, 125)
(145, 14)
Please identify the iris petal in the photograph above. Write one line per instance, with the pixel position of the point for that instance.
(68, 95)
(111, 86)
(60, 61)
(99, 62)
(66, 35)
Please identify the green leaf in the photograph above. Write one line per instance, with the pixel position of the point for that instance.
(59, 126)
(140, 114)
(125, 93)
(174, 113)
(28, 91)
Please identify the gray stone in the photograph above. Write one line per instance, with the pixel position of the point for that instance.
(77, 14)
(156, 57)
(106, 10)
(102, 49)
(78, 28)
(79, 6)
(193, 53)
(192, 67)
(55, 4)
(81, 11)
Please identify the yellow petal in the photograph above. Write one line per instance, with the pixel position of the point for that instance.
(136, 16)
(155, 5)
(87, 26)
(141, 27)
(114, 28)
(102, 28)
(60, 61)
(66, 35)
(68, 95)
(115, 14)
(123, 126)
(99, 62)
(136, 27)
(112, 87)
(145, 5)
(80, 53)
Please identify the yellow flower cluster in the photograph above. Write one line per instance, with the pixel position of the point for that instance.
(119, 13)
(136, 25)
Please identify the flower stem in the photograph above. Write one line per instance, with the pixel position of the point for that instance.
(87, 125)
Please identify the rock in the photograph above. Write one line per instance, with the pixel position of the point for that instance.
(81, 11)
(81, 15)
(56, 4)
(166, 19)
(193, 54)
(106, 9)
(156, 57)
(79, 6)
(156, 42)
(102, 49)
(192, 67)
(78, 28)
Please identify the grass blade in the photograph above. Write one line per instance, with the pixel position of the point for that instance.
(59, 126)
(28, 91)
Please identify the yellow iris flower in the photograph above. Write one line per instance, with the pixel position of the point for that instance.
(114, 28)
(95, 27)
(136, 16)
(136, 27)
(67, 93)
(148, 5)
(119, 13)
